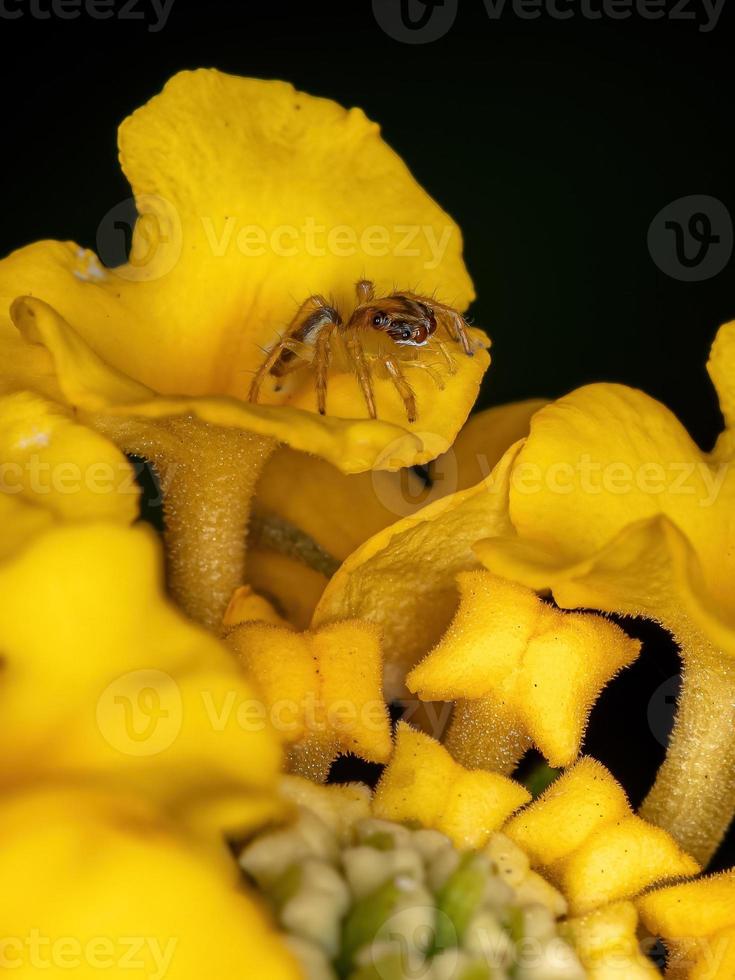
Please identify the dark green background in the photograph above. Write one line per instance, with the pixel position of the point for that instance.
(552, 143)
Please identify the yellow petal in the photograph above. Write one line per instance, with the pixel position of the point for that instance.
(544, 667)
(247, 606)
(691, 910)
(351, 442)
(618, 861)
(100, 883)
(336, 510)
(150, 702)
(340, 511)
(720, 367)
(232, 154)
(290, 585)
(607, 944)
(603, 461)
(403, 578)
(270, 196)
(481, 442)
(323, 686)
(53, 462)
(20, 521)
(579, 802)
(422, 782)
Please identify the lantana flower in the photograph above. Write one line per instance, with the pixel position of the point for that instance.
(251, 198)
(449, 869)
(322, 690)
(522, 673)
(125, 764)
(613, 507)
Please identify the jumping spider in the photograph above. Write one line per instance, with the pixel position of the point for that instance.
(406, 319)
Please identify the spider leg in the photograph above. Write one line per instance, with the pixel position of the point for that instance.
(365, 291)
(402, 386)
(311, 318)
(322, 357)
(356, 353)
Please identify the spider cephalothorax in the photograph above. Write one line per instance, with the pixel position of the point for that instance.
(405, 319)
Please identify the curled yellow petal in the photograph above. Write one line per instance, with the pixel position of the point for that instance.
(423, 783)
(53, 462)
(322, 690)
(539, 669)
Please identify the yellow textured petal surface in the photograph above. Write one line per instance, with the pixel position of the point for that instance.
(423, 783)
(98, 884)
(51, 461)
(618, 861)
(325, 684)
(543, 668)
(150, 702)
(579, 802)
(606, 942)
(692, 909)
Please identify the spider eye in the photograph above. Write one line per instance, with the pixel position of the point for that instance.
(380, 320)
(406, 334)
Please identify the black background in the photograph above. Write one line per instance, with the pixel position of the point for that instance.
(552, 143)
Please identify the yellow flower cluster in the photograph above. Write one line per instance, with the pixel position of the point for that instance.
(311, 576)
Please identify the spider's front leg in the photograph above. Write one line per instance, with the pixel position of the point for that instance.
(402, 386)
(309, 330)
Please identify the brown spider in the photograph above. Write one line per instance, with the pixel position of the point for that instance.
(408, 320)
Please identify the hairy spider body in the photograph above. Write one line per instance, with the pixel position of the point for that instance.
(406, 319)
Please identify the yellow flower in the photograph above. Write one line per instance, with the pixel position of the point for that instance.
(99, 882)
(450, 866)
(613, 507)
(298, 540)
(403, 578)
(522, 672)
(423, 782)
(105, 684)
(697, 923)
(322, 691)
(247, 192)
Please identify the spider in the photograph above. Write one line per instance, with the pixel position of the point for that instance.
(406, 319)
